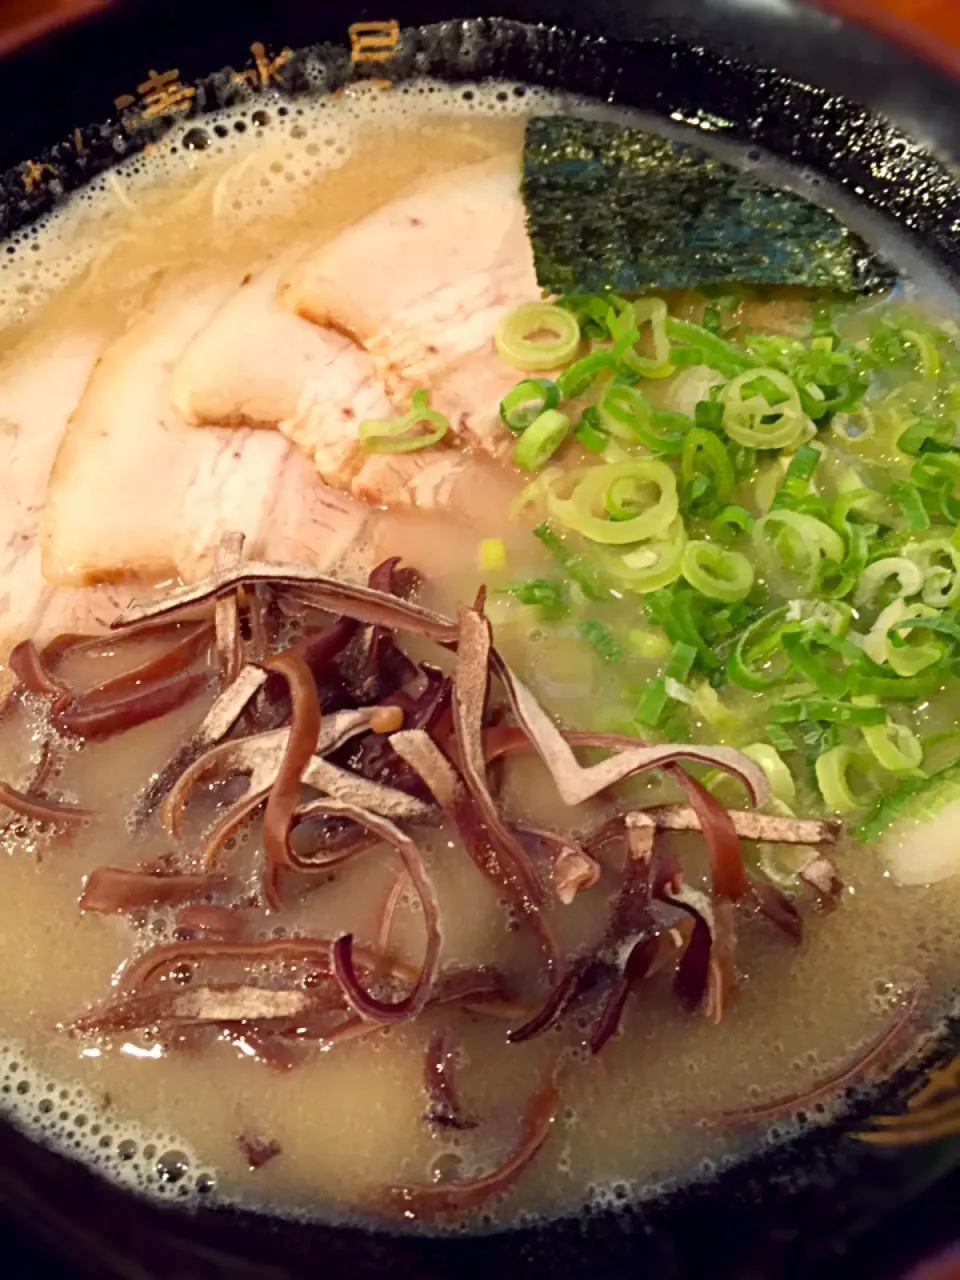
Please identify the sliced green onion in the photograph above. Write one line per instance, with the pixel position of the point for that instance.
(730, 521)
(621, 499)
(580, 376)
(601, 638)
(576, 568)
(779, 738)
(591, 310)
(708, 415)
(900, 688)
(491, 554)
(833, 770)
(524, 403)
(648, 643)
(796, 480)
(798, 541)
(544, 592)
(713, 709)
(712, 320)
(706, 348)
(807, 649)
(855, 497)
(903, 658)
(926, 619)
(941, 582)
(403, 435)
(653, 704)
(926, 433)
(830, 378)
(589, 432)
(627, 414)
(911, 503)
(759, 643)
(624, 411)
(626, 330)
(835, 615)
(676, 669)
(705, 457)
(838, 580)
(768, 477)
(651, 565)
(580, 510)
(673, 610)
(919, 798)
(895, 747)
(782, 785)
(541, 440)
(930, 362)
(519, 336)
(798, 710)
(936, 475)
(751, 418)
(716, 572)
(908, 574)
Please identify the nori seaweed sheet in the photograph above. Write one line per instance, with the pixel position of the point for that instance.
(613, 207)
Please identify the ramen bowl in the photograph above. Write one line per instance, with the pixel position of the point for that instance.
(868, 114)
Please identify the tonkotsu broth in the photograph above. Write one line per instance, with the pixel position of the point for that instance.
(350, 1121)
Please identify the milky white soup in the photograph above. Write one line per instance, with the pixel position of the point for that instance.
(189, 349)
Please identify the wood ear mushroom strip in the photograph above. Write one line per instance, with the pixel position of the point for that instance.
(226, 610)
(749, 826)
(353, 601)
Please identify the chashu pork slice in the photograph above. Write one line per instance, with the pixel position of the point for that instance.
(138, 494)
(41, 381)
(421, 283)
(258, 364)
(249, 365)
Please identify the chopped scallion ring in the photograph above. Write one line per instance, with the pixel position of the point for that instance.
(537, 336)
(833, 778)
(704, 347)
(526, 401)
(717, 572)
(751, 665)
(626, 329)
(782, 785)
(627, 414)
(651, 565)
(705, 458)
(762, 409)
(589, 432)
(938, 559)
(908, 574)
(541, 440)
(581, 511)
(798, 543)
(895, 747)
(582, 374)
(403, 435)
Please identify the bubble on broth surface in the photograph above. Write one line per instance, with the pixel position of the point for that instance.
(72, 1119)
(253, 157)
